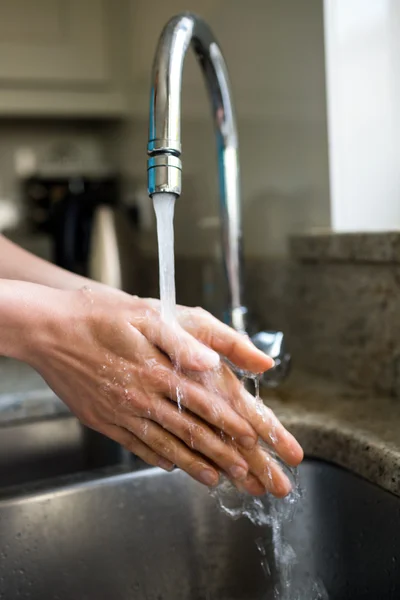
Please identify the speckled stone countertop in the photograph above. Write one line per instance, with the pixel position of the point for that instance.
(350, 428)
(368, 247)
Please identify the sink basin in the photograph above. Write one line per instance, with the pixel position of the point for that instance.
(41, 439)
(49, 447)
(151, 535)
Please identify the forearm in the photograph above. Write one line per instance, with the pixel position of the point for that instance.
(18, 264)
(25, 310)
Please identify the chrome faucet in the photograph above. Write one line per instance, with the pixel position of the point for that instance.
(164, 167)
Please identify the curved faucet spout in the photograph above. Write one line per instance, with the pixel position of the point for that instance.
(164, 147)
(164, 167)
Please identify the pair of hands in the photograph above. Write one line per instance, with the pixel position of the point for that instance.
(161, 389)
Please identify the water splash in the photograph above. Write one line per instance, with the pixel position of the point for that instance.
(270, 514)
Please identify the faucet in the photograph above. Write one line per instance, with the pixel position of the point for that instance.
(164, 167)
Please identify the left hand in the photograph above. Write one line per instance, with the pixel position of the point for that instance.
(264, 472)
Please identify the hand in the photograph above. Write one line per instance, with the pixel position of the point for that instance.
(264, 472)
(87, 346)
(112, 360)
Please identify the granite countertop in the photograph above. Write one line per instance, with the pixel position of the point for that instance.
(351, 428)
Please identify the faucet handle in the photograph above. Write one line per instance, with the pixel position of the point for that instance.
(273, 344)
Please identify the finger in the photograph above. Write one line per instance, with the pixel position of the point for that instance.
(129, 441)
(264, 467)
(199, 437)
(253, 410)
(181, 347)
(160, 376)
(223, 339)
(269, 428)
(251, 485)
(168, 446)
(209, 406)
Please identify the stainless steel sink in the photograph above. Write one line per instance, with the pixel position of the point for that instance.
(49, 447)
(156, 536)
(39, 437)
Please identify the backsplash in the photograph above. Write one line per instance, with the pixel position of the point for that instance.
(338, 301)
(341, 315)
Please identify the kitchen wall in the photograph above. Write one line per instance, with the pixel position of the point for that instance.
(275, 54)
(363, 82)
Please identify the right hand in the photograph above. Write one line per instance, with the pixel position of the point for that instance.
(112, 360)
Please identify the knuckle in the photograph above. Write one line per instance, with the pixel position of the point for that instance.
(162, 445)
(145, 309)
(143, 428)
(193, 465)
(134, 403)
(128, 398)
(192, 434)
(141, 404)
(159, 373)
(210, 410)
(224, 453)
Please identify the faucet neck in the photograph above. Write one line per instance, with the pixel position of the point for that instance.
(164, 145)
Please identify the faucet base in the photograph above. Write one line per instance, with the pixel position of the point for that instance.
(273, 344)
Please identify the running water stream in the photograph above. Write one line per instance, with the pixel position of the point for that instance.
(164, 206)
(269, 514)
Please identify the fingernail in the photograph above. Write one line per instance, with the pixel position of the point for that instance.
(208, 477)
(238, 472)
(247, 442)
(165, 464)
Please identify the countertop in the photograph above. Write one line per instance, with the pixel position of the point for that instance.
(353, 429)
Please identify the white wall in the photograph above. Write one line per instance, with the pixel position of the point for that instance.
(275, 54)
(363, 57)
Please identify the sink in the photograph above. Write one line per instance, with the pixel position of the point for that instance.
(152, 535)
(41, 440)
(39, 437)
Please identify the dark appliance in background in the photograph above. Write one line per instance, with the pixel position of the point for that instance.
(63, 208)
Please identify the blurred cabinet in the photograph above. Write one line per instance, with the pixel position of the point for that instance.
(56, 57)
